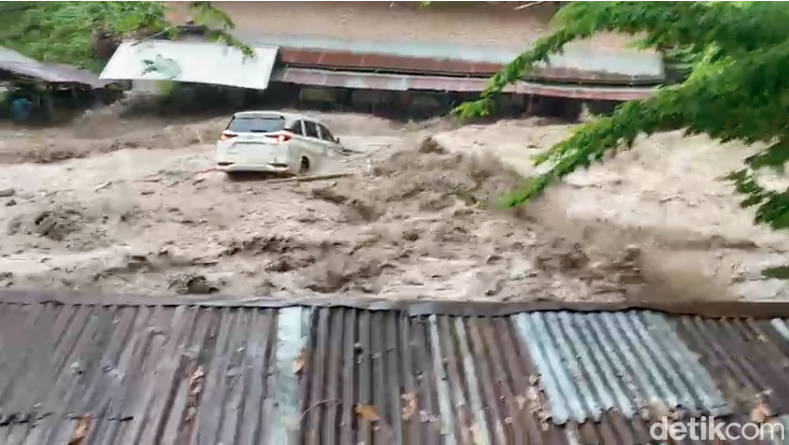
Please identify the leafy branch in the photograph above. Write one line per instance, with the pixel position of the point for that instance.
(737, 89)
(69, 32)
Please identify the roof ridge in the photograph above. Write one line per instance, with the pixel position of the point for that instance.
(707, 309)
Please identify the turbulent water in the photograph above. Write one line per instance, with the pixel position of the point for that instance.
(132, 206)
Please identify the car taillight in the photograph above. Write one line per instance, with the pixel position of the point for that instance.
(280, 137)
(226, 135)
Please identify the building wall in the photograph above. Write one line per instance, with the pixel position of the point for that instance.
(473, 23)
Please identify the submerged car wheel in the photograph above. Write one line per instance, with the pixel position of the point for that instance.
(232, 176)
(304, 166)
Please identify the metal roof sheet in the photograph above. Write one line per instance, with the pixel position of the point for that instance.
(600, 72)
(146, 371)
(21, 65)
(405, 82)
(145, 375)
(748, 359)
(628, 64)
(9, 55)
(627, 361)
(190, 61)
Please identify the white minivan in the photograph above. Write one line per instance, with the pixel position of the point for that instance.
(269, 141)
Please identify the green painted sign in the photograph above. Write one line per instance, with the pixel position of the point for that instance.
(162, 65)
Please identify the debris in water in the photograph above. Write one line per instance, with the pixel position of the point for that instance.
(81, 431)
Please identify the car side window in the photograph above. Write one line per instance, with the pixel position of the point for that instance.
(296, 128)
(311, 130)
(326, 134)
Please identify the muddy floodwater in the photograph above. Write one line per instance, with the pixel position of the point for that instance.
(116, 205)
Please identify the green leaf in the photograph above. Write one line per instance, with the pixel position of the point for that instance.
(780, 272)
(736, 55)
(67, 32)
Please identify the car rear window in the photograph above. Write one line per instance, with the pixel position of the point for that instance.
(256, 124)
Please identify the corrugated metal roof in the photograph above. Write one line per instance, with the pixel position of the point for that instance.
(146, 375)
(129, 371)
(21, 65)
(628, 361)
(349, 60)
(628, 64)
(556, 71)
(189, 61)
(749, 359)
(405, 82)
(384, 377)
(9, 55)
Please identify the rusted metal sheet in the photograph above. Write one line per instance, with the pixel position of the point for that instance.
(405, 82)
(748, 359)
(639, 66)
(140, 373)
(325, 59)
(385, 377)
(148, 375)
(370, 379)
(766, 311)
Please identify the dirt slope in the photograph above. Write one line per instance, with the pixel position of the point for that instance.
(135, 211)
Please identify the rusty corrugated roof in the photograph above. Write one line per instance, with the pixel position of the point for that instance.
(645, 67)
(347, 60)
(147, 371)
(149, 375)
(405, 82)
(748, 358)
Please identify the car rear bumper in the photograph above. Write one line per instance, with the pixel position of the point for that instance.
(239, 167)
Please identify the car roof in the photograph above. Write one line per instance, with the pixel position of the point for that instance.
(290, 117)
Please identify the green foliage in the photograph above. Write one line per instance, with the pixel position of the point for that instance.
(779, 273)
(737, 89)
(67, 32)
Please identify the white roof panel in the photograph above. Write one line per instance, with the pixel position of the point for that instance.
(197, 62)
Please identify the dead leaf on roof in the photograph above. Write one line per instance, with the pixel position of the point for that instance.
(368, 412)
(196, 378)
(476, 434)
(410, 405)
(658, 409)
(760, 412)
(195, 393)
(426, 417)
(81, 430)
(300, 361)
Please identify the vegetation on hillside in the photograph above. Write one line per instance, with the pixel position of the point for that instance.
(737, 89)
(76, 32)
